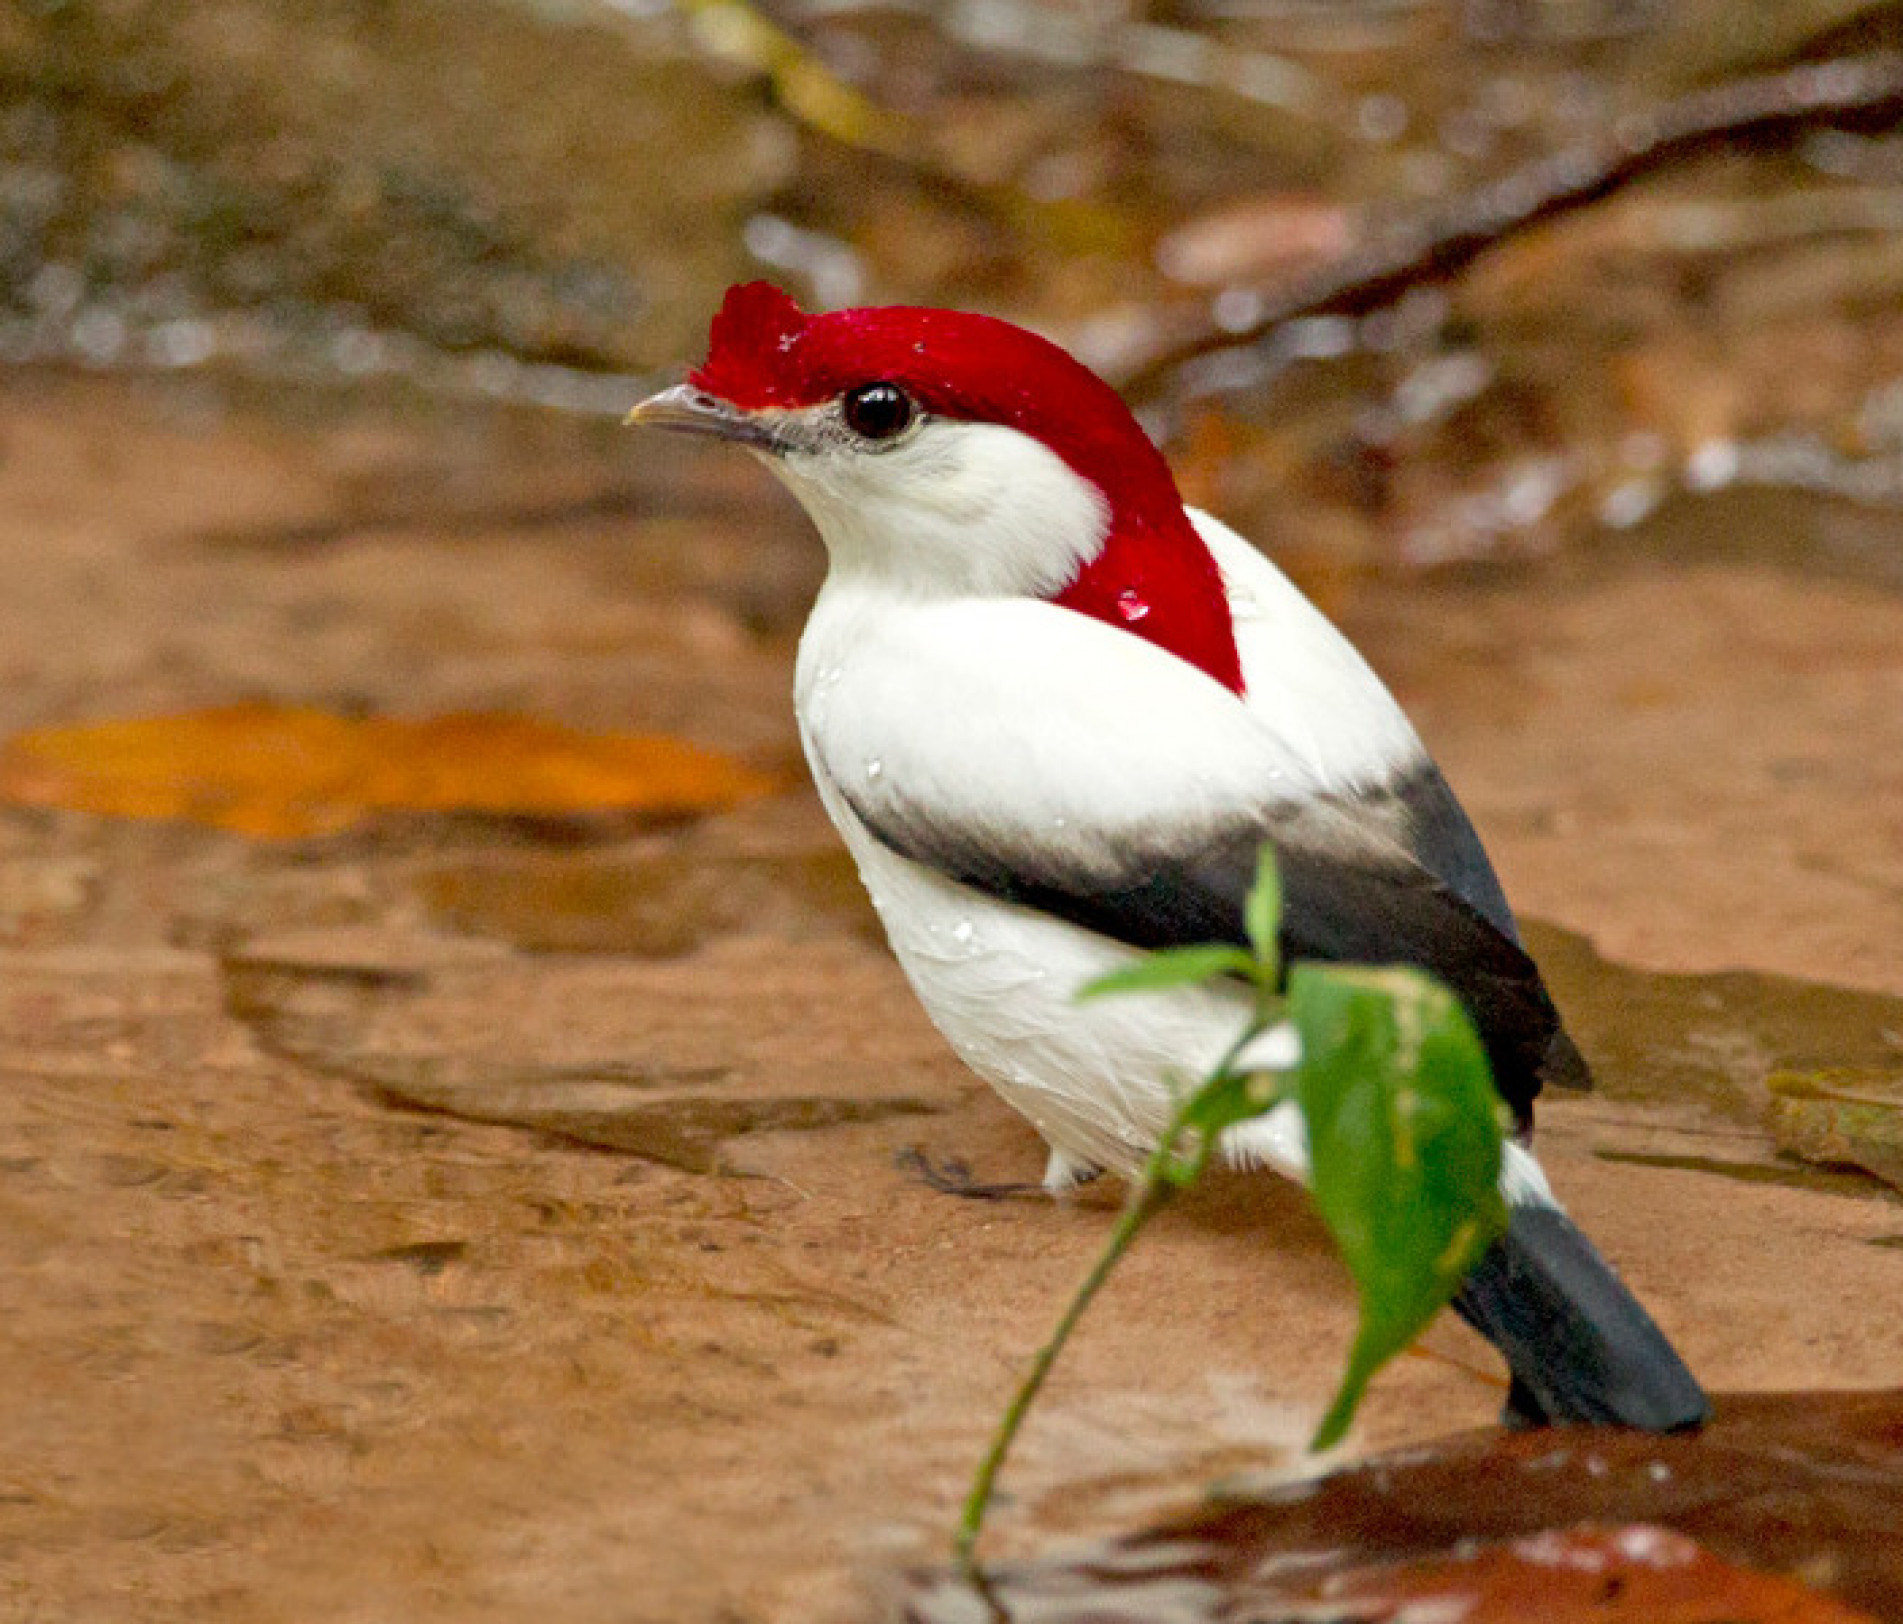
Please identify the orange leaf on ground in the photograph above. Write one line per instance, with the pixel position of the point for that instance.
(280, 773)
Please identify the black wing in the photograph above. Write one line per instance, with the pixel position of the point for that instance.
(1354, 890)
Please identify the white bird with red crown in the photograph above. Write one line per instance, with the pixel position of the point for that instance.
(1055, 713)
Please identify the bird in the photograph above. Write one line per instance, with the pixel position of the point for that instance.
(1054, 713)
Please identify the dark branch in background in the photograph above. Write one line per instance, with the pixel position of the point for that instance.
(1441, 243)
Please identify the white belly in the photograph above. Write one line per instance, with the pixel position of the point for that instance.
(1097, 1080)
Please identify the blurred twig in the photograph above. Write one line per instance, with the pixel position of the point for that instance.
(1441, 243)
(816, 97)
(805, 86)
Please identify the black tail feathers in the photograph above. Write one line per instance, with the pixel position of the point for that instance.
(1580, 1348)
(1563, 1066)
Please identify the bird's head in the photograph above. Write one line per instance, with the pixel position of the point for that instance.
(948, 454)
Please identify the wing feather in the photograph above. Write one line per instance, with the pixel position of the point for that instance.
(1131, 799)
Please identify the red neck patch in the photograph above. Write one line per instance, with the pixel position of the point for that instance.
(1153, 577)
(1164, 588)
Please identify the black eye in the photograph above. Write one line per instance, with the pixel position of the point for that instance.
(877, 411)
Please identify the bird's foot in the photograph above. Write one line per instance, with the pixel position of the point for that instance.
(953, 1177)
(1065, 1172)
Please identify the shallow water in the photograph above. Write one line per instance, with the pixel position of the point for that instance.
(1807, 1487)
(1714, 1038)
(292, 1337)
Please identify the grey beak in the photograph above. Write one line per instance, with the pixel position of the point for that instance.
(693, 411)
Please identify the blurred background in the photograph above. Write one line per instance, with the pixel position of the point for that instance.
(539, 201)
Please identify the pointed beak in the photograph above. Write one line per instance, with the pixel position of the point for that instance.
(693, 411)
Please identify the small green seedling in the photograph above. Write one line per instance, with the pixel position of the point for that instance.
(1404, 1136)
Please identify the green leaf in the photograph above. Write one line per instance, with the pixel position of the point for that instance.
(1231, 1097)
(1262, 914)
(1405, 1145)
(1169, 970)
(1222, 1102)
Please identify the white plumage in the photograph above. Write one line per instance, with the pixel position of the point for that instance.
(1032, 783)
(1018, 714)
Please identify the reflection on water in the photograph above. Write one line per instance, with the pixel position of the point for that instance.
(1790, 1487)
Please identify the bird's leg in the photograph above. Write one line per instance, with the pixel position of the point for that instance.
(1065, 1172)
(953, 1177)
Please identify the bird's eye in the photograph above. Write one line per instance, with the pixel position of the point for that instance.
(877, 411)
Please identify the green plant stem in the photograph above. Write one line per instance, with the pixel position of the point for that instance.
(1161, 1178)
(1147, 1199)
(1364, 1035)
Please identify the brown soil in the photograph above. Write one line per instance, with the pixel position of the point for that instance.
(280, 1346)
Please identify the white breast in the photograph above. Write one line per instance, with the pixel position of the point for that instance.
(1097, 1080)
(1031, 719)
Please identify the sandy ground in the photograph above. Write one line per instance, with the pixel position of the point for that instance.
(279, 1345)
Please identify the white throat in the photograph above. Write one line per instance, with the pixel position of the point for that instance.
(959, 510)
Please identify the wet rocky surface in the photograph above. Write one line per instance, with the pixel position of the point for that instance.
(468, 1217)
(474, 1216)
(1784, 1507)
